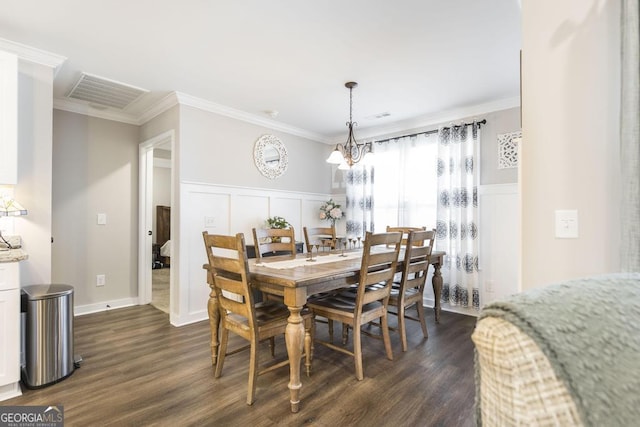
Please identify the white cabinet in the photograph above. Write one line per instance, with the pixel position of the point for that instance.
(9, 330)
(8, 118)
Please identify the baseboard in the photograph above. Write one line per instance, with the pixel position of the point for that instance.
(460, 310)
(428, 302)
(10, 390)
(80, 310)
(194, 317)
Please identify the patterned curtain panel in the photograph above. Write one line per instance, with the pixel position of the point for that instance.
(359, 209)
(630, 138)
(457, 213)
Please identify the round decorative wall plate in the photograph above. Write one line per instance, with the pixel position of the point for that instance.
(270, 156)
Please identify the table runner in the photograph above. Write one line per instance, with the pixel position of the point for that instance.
(303, 262)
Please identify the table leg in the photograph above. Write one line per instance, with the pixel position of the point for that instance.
(436, 282)
(214, 322)
(294, 336)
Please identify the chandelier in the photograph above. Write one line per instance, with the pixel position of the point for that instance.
(351, 152)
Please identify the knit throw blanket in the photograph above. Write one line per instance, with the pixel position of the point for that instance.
(589, 329)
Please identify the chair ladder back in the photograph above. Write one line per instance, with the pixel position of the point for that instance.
(405, 232)
(313, 235)
(263, 240)
(417, 259)
(379, 263)
(230, 274)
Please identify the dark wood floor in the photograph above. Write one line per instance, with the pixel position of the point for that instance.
(138, 370)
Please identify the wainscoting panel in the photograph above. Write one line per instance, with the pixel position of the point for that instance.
(499, 241)
(228, 210)
(247, 211)
(203, 210)
(290, 208)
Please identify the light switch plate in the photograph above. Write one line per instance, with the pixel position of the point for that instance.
(102, 219)
(209, 222)
(567, 224)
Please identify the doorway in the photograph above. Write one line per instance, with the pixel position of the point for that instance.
(156, 178)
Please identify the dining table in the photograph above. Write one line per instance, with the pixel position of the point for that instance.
(295, 278)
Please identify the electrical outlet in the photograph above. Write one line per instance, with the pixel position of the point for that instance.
(101, 280)
(489, 285)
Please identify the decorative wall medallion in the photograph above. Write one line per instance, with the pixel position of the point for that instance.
(508, 149)
(270, 156)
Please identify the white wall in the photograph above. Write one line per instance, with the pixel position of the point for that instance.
(219, 149)
(570, 149)
(95, 170)
(498, 122)
(33, 190)
(499, 241)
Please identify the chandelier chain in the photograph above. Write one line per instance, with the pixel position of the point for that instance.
(351, 105)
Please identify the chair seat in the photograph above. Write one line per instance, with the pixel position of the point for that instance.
(270, 310)
(266, 312)
(408, 293)
(344, 301)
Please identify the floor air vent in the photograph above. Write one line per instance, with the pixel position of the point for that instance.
(98, 90)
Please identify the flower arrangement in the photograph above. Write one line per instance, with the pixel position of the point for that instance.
(277, 222)
(331, 211)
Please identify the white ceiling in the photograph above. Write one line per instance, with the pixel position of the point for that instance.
(411, 58)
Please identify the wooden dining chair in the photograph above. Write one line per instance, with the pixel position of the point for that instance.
(324, 236)
(410, 290)
(405, 231)
(274, 240)
(379, 263)
(228, 277)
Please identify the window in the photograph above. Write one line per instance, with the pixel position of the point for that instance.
(405, 189)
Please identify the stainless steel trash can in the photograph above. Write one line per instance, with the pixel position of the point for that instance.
(48, 334)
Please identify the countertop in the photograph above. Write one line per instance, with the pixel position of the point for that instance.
(12, 255)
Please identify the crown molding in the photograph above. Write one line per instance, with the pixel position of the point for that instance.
(212, 107)
(82, 108)
(169, 101)
(178, 98)
(32, 54)
(437, 119)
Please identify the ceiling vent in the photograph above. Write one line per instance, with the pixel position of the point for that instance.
(378, 116)
(101, 91)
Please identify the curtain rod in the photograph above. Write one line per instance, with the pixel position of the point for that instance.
(428, 132)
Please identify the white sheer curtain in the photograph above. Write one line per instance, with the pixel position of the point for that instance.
(405, 192)
(630, 138)
(457, 224)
